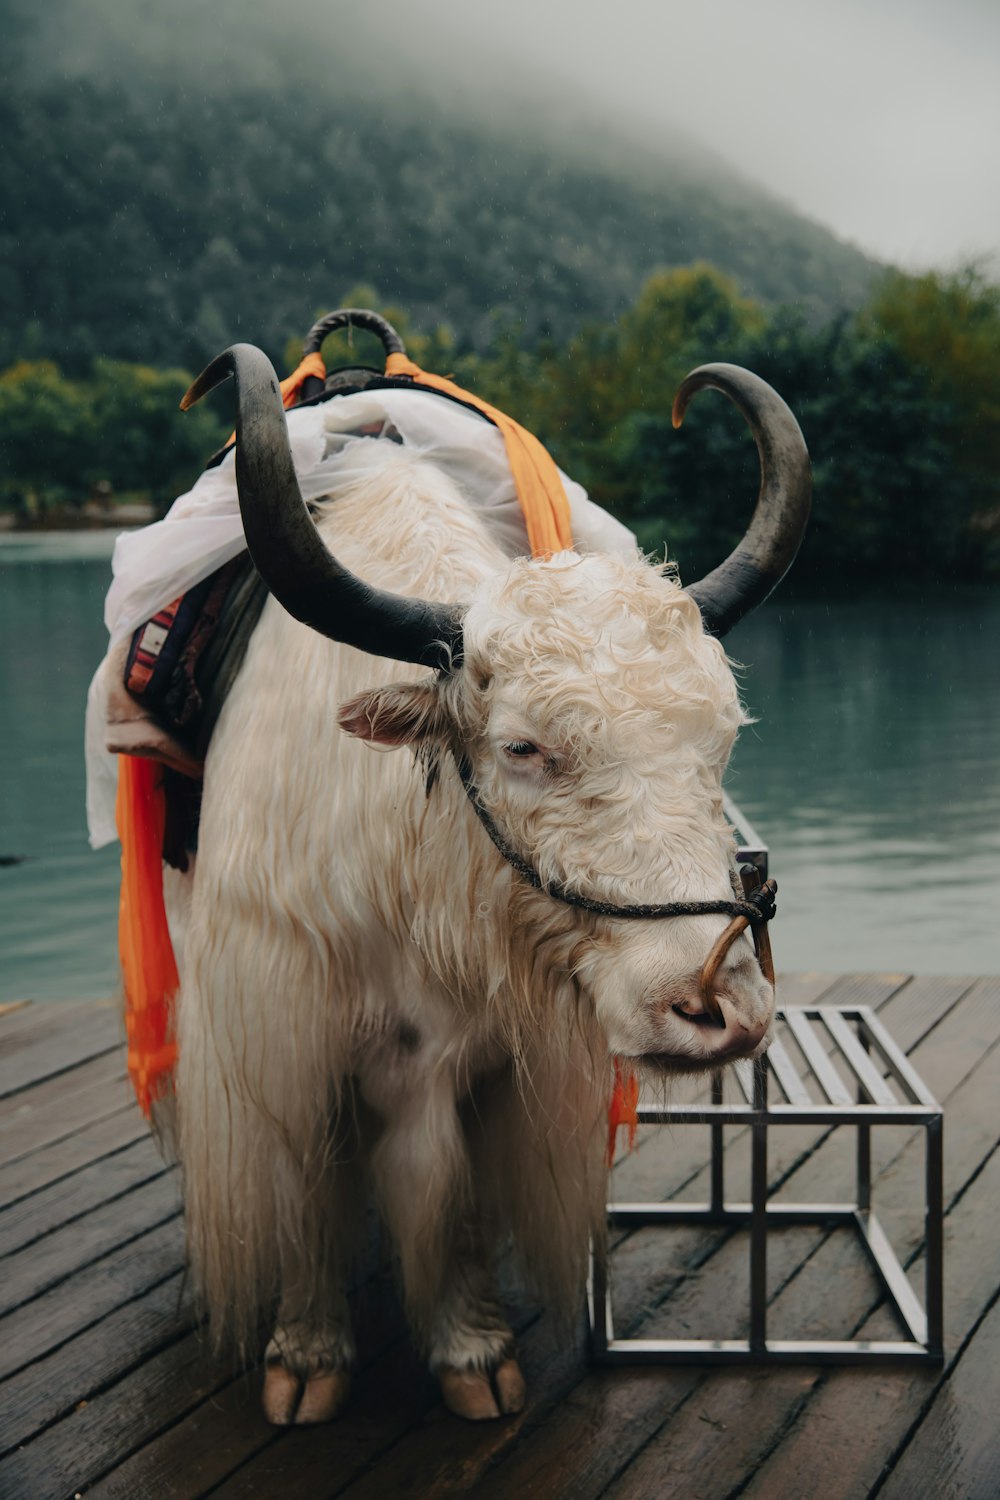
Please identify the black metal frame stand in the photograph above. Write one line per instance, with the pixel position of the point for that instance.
(870, 1057)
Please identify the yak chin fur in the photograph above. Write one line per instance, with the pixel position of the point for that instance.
(342, 925)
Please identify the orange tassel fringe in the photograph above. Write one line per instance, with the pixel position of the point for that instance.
(149, 969)
(623, 1109)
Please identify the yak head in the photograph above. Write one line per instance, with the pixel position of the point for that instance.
(590, 709)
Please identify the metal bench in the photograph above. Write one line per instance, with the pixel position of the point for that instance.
(828, 1065)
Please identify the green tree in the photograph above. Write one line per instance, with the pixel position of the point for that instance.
(141, 438)
(122, 425)
(45, 430)
(947, 327)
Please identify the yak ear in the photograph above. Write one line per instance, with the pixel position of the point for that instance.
(401, 714)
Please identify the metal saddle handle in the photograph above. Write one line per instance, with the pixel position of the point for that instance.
(347, 317)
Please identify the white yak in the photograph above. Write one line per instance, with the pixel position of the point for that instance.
(384, 989)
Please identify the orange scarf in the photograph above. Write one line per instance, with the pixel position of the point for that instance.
(536, 478)
(149, 971)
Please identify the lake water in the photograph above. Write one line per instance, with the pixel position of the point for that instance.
(873, 773)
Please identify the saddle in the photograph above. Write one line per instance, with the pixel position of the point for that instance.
(168, 686)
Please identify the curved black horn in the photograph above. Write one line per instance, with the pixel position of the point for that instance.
(776, 528)
(354, 317)
(285, 546)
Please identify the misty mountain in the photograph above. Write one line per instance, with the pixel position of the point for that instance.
(175, 178)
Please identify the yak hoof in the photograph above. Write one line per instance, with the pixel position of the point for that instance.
(479, 1395)
(290, 1401)
(510, 1387)
(324, 1395)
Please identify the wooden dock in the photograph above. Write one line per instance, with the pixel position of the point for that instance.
(106, 1388)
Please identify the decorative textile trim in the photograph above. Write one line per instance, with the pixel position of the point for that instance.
(147, 643)
(536, 478)
(149, 969)
(623, 1111)
(309, 364)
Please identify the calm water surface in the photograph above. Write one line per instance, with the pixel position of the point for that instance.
(873, 773)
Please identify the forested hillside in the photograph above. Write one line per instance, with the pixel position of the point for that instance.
(899, 403)
(175, 178)
(155, 205)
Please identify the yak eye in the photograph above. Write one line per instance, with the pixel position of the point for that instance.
(519, 749)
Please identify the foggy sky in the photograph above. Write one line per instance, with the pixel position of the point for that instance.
(879, 118)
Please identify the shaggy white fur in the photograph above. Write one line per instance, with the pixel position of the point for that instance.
(369, 993)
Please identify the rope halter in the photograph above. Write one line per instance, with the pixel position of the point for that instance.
(755, 910)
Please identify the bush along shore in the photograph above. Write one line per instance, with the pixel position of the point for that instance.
(899, 402)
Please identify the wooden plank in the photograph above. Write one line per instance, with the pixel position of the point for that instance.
(222, 1427)
(59, 1047)
(69, 1198)
(54, 1386)
(879, 1408)
(955, 1454)
(79, 1301)
(359, 1452)
(803, 988)
(440, 1455)
(957, 1046)
(188, 1460)
(117, 1421)
(216, 1443)
(31, 1271)
(33, 1019)
(54, 1109)
(567, 1451)
(912, 1011)
(921, 1004)
(864, 989)
(772, 1399)
(724, 1426)
(809, 1296)
(36, 1170)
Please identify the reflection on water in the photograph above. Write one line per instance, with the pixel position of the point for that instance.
(58, 908)
(872, 773)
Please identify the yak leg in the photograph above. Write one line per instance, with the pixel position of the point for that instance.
(310, 1355)
(472, 1346)
(308, 1375)
(422, 1174)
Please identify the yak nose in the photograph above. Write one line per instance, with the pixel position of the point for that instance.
(722, 1032)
